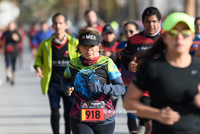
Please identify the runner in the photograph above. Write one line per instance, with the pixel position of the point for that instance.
(137, 44)
(91, 19)
(43, 34)
(129, 29)
(91, 73)
(9, 42)
(53, 57)
(109, 45)
(172, 79)
(194, 50)
(109, 42)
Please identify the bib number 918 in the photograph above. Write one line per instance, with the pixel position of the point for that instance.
(92, 114)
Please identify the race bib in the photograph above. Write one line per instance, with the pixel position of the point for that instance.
(93, 112)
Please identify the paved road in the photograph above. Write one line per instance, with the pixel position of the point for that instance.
(23, 108)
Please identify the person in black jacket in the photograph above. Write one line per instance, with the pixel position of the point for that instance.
(9, 43)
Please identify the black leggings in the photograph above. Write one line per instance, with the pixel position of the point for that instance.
(132, 126)
(84, 128)
(55, 117)
(10, 59)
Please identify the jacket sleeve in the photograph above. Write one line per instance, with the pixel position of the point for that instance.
(65, 84)
(127, 55)
(39, 58)
(117, 87)
(66, 80)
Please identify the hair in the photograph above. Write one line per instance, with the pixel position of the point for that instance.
(158, 48)
(89, 30)
(196, 19)
(89, 10)
(133, 23)
(151, 11)
(43, 22)
(58, 14)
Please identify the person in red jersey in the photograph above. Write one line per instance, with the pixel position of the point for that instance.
(139, 43)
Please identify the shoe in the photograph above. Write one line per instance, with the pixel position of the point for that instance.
(12, 83)
(7, 79)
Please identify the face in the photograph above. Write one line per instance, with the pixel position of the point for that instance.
(108, 37)
(89, 51)
(151, 24)
(44, 27)
(12, 26)
(181, 43)
(36, 27)
(59, 24)
(130, 30)
(91, 18)
(197, 27)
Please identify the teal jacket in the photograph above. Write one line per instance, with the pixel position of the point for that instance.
(44, 59)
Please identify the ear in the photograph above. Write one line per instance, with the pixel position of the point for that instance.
(159, 22)
(137, 32)
(194, 36)
(66, 25)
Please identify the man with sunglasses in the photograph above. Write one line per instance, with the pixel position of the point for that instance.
(139, 43)
(194, 50)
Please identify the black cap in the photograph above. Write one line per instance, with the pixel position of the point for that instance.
(89, 39)
(107, 28)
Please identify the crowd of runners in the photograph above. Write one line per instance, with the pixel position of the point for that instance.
(156, 71)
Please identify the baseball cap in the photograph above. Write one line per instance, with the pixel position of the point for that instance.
(107, 28)
(89, 39)
(174, 18)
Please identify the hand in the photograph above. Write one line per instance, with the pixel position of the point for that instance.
(70, 90)
(38, 72)
(132, 67)
(107, 53)
(197, 97)
(167, 116)
(15, 37)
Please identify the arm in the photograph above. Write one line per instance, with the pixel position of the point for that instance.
(127, 55)
(65, 84)
(20, 38)
(117, 87)
(131, 102)
(2, 43)
(129, 64)
(39, 57)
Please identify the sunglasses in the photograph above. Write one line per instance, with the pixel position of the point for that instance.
(130, 31)
(196, 25)
(174, 33)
